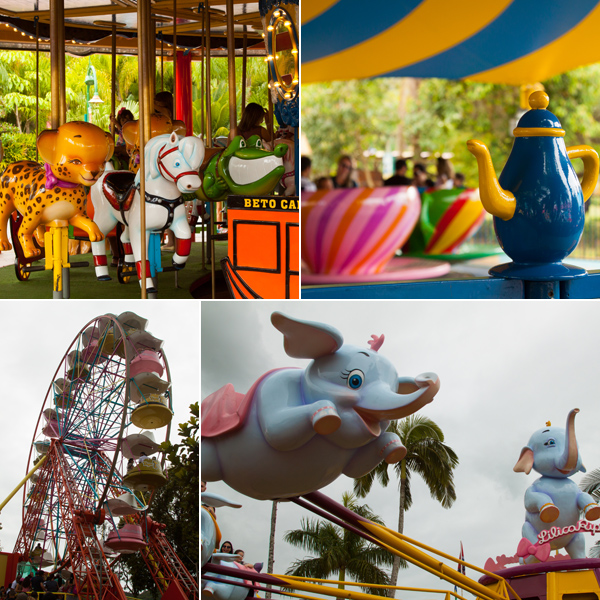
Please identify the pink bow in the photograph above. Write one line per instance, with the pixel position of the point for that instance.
(527, 549)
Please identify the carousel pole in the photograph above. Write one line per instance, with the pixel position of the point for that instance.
(208, 104)
(145, 99)
(37, 79)
(162, 61)
(270, 123)
(244, 66)
(113, 73)
(174, 54)
(57, 63)
(231, 71)
(61, 273)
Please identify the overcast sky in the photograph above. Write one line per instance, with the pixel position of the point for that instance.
(505, 369)
(36, 334)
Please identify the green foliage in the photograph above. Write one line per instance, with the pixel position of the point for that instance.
(16, 146)
(339, 551)
(350, 117)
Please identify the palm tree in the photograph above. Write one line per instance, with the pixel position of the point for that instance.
(590, 483)
(427, 456)
(339, 551)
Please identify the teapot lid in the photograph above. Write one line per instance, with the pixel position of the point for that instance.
(538, 121)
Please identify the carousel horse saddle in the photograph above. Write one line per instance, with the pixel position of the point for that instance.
(119, 189)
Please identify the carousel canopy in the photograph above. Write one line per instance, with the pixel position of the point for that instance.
(88, 24)
(499, 41)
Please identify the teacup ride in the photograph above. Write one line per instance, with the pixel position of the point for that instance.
(350, 235)
(448, 219)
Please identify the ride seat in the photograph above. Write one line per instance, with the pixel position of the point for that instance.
(119, 189)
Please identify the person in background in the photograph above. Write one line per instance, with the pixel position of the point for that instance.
(251, 122)
(445, 174)
(324, 183)
(420, 176)
(459, 180)
(343, 177)
(116, 124)
(399, 177)
(306, 184)
(226, 547)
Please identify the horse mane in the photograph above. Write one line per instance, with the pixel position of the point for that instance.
(151, 155)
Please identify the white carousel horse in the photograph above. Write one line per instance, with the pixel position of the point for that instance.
(172, 164)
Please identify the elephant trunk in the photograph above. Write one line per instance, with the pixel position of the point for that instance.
(411, 395)
(568, 461)
(496, 200)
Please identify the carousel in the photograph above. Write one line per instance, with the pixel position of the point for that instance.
(167, 171)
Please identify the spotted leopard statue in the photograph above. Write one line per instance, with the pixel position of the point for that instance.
(74, 157)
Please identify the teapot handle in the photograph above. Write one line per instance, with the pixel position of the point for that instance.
(591, 165)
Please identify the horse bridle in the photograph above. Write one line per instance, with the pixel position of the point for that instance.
(164, 171)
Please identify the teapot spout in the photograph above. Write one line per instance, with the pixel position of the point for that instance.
(497, 201)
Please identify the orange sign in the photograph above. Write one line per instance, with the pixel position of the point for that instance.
(264, 253)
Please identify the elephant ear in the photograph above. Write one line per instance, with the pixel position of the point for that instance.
(525, 462)
(306, 339)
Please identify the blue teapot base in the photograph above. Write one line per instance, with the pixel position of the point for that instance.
(537, 271)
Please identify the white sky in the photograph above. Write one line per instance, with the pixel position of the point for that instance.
(36, 334)
(505, 369)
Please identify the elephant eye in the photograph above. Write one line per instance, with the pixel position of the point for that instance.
(355, 379)
(550, 442)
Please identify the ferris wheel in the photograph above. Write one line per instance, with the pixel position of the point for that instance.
(95, 460)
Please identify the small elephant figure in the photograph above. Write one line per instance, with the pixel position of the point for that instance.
(554, 500)
(296, 431)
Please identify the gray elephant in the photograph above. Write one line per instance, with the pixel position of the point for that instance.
(296, 431)
(554, 500)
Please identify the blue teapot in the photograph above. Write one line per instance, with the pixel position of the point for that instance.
(538, 202)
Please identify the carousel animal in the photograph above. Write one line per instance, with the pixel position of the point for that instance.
(172, 166)
(288, 180)
(74, 156)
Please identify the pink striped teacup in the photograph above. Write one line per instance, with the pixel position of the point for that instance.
(356, 230)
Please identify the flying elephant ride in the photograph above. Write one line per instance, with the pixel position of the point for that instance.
(296, 430)
(41, 201)
(172, 164)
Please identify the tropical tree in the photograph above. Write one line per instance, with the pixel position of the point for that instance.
(427, 456)
(339, 551)
(590, 483)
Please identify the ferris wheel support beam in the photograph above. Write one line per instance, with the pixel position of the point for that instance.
(22, 483)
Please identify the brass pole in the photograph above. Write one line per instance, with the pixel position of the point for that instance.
(270, 124)
(162, 61)
(202, 74)
(208, 104)
(113, 74)
(244, 66)
(231, 71)
(144, 130)
(174, 56)
(152, 59)
(57, 63)
(37, 81)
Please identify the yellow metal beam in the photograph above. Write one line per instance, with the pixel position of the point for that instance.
(23, 482)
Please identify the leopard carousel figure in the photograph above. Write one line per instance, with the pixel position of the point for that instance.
(74, 157)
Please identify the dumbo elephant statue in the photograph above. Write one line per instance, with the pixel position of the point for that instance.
(296, 431)
(210, 539)
(553, 500)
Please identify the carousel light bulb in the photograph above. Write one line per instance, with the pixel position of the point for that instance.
(276, 13)
(287, 95)
(287, 23)
(269, 28)
(294, 51)
(270, 57)
(277, 84)
(269, 85)
(263, 34)
(295, 81)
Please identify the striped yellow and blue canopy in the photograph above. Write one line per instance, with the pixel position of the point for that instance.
(500, 41)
